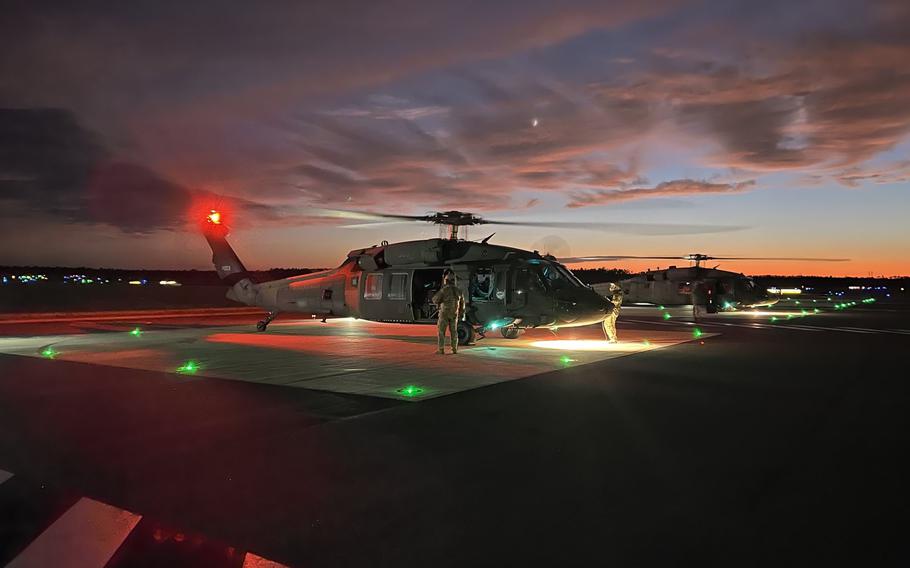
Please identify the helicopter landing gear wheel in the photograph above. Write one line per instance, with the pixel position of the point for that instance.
(465, 333)
(261, 326)
(510, 332)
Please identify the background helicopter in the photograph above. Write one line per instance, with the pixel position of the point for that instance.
(710, 288)
(505, 288)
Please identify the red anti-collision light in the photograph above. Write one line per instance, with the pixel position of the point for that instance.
(214, 217)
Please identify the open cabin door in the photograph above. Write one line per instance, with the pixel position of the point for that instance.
(425, 283)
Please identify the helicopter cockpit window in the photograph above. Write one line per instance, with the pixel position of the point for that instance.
(570, 276)
(372, 289)
(555, 276)
(482, 285)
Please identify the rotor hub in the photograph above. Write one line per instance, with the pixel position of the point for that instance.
(455, 218)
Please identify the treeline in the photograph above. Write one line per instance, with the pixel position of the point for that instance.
(121, 275)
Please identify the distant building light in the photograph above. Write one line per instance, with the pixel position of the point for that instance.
(169, 283)
(136, 282)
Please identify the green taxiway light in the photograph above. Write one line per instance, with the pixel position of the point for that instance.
(829, 299)
(697, 333)
(816, 310)
(136, 332)
(773, 319)
(661, 307)
(667, 315)
(410, 391)
(797, 302)
(190, 367)
(49, 352)
(805, 313)
(566, 360)
(646, 343)
(789, 316)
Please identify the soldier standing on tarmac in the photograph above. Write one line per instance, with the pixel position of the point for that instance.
(450, 301)
(610, 322)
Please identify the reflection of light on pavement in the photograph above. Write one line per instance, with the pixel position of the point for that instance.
(760, 313)
(586, 345)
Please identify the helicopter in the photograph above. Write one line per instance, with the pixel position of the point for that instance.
(710, 288)
(506, 289)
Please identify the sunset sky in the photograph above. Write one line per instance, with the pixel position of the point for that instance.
(788, 120)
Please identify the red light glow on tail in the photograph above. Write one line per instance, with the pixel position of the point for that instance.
(211, 215)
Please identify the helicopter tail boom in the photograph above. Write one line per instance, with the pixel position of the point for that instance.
(227, 264)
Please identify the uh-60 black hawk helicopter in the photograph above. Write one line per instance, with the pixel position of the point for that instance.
(709, 288)
(506, 289)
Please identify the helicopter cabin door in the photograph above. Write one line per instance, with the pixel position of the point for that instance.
(425, 283)
(387, 296)
(519, 282)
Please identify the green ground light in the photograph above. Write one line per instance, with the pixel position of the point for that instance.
(667, 315)
(773, 318)
(816, 310)
(136, 332)
(410, 391)
(646, 343)
(661, 307)
(49, 352)
(190, 367)
(697, 333)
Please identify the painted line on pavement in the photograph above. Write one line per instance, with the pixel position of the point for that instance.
(86, 536)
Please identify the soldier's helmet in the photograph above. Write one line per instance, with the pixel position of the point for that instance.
(614, 287)
(450, 278)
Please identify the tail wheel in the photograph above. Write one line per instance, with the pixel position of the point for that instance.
(465, 333)
(510, 332)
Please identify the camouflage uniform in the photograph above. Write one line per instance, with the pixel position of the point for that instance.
(610, 322)
(450, 300)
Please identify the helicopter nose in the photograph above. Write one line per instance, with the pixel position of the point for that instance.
(592, 309)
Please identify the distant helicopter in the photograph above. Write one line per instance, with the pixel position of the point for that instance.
(506, 289)
(715, 290)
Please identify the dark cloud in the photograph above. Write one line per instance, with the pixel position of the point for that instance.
(51, 165)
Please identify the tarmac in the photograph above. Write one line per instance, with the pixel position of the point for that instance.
(746, 439)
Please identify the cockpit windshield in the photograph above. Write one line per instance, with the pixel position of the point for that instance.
(555, 275)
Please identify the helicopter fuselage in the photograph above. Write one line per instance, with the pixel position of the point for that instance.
(717, 289)
(504, 287)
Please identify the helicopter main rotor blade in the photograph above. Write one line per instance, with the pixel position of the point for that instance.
(802, 259)
(573, 259)
(597, 258)
(365, 215)
(618, 227)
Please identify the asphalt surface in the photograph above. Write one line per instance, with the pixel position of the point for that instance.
(768, 445)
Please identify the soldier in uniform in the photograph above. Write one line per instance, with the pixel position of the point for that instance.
(450, 301)
(610, 322)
